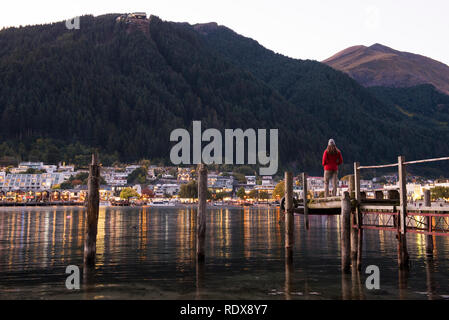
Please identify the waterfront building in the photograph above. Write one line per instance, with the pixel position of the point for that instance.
(41, 181)
(217, 183)
(184, 175)
(267, 185)
(250, 180)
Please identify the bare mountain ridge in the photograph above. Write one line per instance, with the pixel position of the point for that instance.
(379, 65)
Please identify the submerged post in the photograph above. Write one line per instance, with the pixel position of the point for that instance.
(93, 205)
(358, 215)
(304, 198)
(345, 237)
(289, 222)
(201, 215)
(354, 232)
(402, 245)
(429, 237)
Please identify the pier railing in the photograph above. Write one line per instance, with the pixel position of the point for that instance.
(399, 217)
(358, 213)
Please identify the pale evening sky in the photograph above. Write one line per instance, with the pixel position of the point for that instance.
(299, 29)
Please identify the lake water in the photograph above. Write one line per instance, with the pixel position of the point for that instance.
(149, 253)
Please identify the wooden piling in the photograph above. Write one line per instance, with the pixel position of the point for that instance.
(289, 222)
(429, 237)
(201, 214)
(402, 245)
(345, 236)
(358, 213)
(288, 279)
(93, 206)
(354, 232)
(304, 197)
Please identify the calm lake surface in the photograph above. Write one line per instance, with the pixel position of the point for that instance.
(149, 253)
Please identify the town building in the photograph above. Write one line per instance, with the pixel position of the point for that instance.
(23, 181)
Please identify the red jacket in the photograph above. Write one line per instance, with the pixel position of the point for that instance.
(332, 161)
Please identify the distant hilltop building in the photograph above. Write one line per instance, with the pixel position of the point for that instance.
(135, 20)
(129, 17)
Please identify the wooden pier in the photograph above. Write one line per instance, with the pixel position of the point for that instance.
(357, 213)
(390, 213)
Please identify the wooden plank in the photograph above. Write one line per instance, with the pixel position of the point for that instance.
(354, 231)
(402, 193)
(201, 214)
(325, 205)
(380, 201)
(427, 209)
(304, 197)
(377, 207)
(358, 213)
(403, 258)
(93, 207)
(429, 238)
(328, 199)
(345, 236)
(289, 218)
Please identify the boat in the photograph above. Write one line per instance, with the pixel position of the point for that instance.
(164, 203)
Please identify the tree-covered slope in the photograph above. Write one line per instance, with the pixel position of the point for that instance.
(124, 91)
(116, 88)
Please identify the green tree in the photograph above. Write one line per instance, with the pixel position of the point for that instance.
(241, 193)
(254, 194)
(264, 195)
(127, 193)
(439, 193)
(139, 175)
(66, 185)
(279, 190)
(189, 190)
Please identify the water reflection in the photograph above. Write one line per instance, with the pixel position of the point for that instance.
(150, 253)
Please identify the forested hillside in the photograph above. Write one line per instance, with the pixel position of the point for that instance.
(121, 90)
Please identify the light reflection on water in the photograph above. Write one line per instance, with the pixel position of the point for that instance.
(150, 253)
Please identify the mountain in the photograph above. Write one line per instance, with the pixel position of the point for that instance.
(379, 65)
(122, 88)
(372, 125)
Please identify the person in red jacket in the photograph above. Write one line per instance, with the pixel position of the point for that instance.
(331, 160)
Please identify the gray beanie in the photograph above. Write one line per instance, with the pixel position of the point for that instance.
(331, 142)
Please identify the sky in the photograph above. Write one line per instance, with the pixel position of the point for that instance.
(310, 29)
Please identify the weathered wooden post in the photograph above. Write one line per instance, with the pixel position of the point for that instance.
(354, 231)
(346, 288)
(359, 220)
(402, 245)
(199, 279)
(304, 198)
(93, 205)
(201, 215)
(430, 281)
(289, 222)
(345, 236)
(288, 279)
(429, 237)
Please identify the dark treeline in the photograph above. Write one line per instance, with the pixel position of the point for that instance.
(106, 86)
